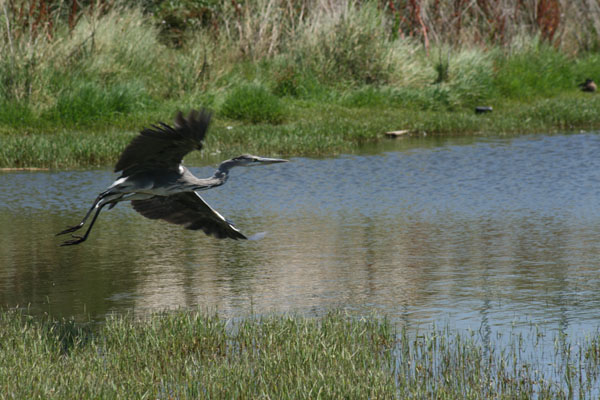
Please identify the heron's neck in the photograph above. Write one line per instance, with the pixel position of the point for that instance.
(221, 174)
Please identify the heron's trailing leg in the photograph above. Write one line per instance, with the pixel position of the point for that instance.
(79, 239)
(80, 225)
(102, 200)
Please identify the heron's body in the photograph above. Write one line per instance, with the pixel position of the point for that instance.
(163, 182)
(159, 187)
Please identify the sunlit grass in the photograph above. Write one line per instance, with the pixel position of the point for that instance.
(335, 78)
(309, 129)
(190, 354)
(254, 104)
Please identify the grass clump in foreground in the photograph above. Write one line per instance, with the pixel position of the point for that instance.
(190, 354)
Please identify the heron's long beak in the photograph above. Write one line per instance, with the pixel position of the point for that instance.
(266, 160)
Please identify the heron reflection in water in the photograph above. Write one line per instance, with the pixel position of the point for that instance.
(160, 187)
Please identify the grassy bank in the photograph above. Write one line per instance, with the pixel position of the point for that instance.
(321, 129)
(195, 355)
(290, 78)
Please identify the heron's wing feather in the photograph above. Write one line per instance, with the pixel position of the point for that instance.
(163, 146)
(187, 209)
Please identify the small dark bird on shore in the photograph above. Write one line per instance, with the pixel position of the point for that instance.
(159, 187)
(588, 86)
(483, 109)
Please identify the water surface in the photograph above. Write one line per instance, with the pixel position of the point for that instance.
(478, 233)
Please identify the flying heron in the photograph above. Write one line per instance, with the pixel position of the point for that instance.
(160, 187)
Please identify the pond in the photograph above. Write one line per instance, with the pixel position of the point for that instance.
(478, 233)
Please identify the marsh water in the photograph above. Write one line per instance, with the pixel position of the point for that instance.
(470, 232)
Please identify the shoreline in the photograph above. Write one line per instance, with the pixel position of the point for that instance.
(315, 129)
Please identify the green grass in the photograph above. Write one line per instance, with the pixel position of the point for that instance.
(536, 72)
(62, 149)
(309, 129)
(254, 104)
(300, 82)
(190, 354)
(85, 102)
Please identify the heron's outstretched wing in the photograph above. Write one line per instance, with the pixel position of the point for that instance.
(163, 146)
(187, 209)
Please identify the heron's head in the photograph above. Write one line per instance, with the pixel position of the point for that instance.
(247, 160)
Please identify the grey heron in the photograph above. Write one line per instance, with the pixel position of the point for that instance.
(160, 187)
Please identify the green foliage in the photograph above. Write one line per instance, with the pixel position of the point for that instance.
(190, 354)
(430, 97)
(351, 44)
(470, 79)
(291, 79)
(586, 67)
(367, 96)
(442, 68)
(311, 127)
(15, 113)
(333, 79)
(86, 101)
(179, 18)
(538, 70)
(287, 81)
(61, 149)
(253, 103)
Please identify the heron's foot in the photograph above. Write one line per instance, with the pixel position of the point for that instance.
(69, 230)
(75, 240)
